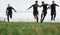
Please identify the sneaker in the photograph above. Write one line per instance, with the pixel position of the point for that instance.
(41, 20)
(54, 19)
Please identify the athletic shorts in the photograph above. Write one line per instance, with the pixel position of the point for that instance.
(9, 15)
(34, 13)
(53, 13)
(44, 12)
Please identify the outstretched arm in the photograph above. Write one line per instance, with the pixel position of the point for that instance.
(48, 5)
(38, 5)
(13, 9)
(41, 6)
(57, 5)
(30, 7)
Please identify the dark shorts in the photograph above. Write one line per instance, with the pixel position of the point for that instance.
(53, 13)
(44, 12)
(9, 15)
(34, 13)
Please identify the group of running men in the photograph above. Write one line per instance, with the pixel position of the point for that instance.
(35, 10)
(44, 11)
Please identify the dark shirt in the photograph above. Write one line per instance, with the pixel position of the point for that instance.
(35, 8)
(9, 10)
(53, 7)
(44, 7)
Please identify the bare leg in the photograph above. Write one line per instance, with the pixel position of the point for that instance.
(36, 17)
(42, 16)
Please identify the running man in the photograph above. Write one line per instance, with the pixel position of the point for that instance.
(35, 10)
(53, 10)
(44, 11)
(9, 12)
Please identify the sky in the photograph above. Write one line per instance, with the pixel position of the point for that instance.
(26, 15)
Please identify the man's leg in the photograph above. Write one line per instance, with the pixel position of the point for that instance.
(51, 16)
(11, 16)
(37, 18)
(54, 16)
(44, 16)
(41, 15)
(8, 18)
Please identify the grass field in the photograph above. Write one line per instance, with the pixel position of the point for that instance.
(29, 28)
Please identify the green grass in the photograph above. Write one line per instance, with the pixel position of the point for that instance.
(29, 28)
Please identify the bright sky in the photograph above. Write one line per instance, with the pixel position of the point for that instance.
(22, 5)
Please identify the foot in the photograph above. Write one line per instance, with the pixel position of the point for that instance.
(41, 20)
(54, 19)
(37, 20)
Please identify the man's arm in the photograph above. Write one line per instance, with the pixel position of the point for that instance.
(49, 7)
(13, 9)
(41, 6)
(57, 5)
(30, 7)
(38, 5)
(48, 4)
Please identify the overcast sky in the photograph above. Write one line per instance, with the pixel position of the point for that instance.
(22, 5)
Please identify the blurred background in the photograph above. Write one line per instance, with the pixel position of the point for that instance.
(23, 15)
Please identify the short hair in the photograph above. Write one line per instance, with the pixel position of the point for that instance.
(53, 1)
(36, 1)
(42, 1)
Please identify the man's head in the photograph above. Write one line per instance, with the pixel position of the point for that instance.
(53, 2)
(8, 5)
(42, 2)
(36, 2)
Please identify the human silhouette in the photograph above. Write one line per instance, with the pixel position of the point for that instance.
(44, 11)
(9, 11)
(53, 10)
(35, 10)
